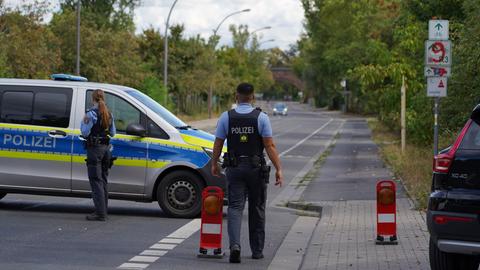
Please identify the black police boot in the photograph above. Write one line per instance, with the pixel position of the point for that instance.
(257, 256)
(95, 217)
(235, 254)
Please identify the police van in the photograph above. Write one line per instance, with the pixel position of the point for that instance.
(159, 157)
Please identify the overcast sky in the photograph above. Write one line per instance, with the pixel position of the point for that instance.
(202, 16)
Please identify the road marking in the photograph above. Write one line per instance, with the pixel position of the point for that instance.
(133, 266)
(187, 230)
(162, 247)
(171, 241)
(144, 259)
(306, 138)
(153, 253)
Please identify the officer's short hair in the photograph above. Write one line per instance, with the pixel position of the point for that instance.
(245, 89)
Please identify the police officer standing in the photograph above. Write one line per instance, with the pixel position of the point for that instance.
(97, 127)
(248, 133)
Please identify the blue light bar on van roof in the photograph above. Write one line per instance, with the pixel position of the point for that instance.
(68, 77)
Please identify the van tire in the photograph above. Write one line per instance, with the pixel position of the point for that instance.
(179, 194)
(2, 194)
(440, 260)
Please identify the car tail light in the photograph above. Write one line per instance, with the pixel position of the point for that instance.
(441, 220)
(442, 162)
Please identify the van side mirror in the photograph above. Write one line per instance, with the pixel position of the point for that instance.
(136, 130)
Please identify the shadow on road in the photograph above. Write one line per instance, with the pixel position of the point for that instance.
(54, 207)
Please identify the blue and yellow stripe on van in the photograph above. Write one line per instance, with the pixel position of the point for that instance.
(129, 150)
(200, 138)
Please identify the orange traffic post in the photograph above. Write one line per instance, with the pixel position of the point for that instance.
(386, 213)
(211, 229)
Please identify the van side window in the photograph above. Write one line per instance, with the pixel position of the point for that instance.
(123, 112)
(17, 107)
(51, 109)
(154, 131)
(35, 105)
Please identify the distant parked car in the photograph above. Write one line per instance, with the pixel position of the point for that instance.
(453, 215)
(280, 108)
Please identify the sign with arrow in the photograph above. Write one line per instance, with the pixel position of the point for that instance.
(437, 72)
(436, 87)
(438, 29)
(438, 53)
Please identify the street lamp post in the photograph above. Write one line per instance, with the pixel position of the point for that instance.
(257, 30)
(226, 17)
(343, 83)
(270, 40)
(165, 54)
(260, 29)
(214, 43)
(77, 68)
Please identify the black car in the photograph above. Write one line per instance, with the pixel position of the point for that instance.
(453, 216)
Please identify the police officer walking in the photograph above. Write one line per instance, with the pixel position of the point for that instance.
(248, 133)
(97, 127)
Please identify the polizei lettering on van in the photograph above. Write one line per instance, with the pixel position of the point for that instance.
(30, 141)
(242, 130)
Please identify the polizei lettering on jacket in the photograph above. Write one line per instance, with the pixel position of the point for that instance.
(30, 141)
(242, 130)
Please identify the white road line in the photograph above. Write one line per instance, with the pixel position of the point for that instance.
(171, 241)
(153, 253)
(144, 259)
(306, 138)
(133, 266)
(163, 246)
(187, 230)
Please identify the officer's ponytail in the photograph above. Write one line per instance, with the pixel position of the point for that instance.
(98, 96)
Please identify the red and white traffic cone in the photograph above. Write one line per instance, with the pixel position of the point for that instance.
(211, 229)
(386, 213)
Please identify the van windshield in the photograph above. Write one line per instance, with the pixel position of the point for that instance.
(158, 109)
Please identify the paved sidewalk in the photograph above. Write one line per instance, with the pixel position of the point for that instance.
(345, 188)
(344, 238)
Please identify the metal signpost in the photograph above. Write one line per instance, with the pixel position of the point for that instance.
(438, 59)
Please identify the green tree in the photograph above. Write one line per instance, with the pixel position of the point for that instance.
(28, 47)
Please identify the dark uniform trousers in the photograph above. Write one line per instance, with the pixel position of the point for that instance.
(245, 180)
(98, 158)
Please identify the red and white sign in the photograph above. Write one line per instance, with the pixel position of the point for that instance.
(438, 53)
(436, 87)
(437, 72)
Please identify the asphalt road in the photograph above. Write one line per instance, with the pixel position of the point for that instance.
(39, 232)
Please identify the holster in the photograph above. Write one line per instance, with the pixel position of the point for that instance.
(265, 172)
(112, 160)
(229, 160)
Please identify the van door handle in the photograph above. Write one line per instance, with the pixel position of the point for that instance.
(57, 134)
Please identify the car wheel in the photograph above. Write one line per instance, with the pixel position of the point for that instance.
(2, 195)
(179, 194)
(440, 260)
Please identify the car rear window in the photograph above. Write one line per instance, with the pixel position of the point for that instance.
(471, 141)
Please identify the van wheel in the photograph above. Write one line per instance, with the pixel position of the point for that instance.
(2, 195)
(450, 261)
(179, 194)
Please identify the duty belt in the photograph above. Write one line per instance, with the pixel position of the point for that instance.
(93, 141)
